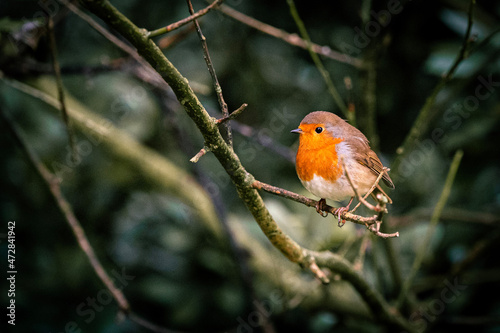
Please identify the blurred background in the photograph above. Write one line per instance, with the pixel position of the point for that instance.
(181, 272)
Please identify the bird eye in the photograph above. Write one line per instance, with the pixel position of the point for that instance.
(319, 129)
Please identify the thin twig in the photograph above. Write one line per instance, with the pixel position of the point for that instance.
(198, 155)
(354, 188)
(289, 38)
(60, 88)
(180, 23)
(233, 114)
(319, 65)
(367, 221)
(445, 193)
(310, 262)
(377, 181)
(215, 80)
(53, 185)
(172, 39)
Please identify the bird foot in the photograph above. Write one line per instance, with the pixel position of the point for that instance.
(339, 211)
(321, 208)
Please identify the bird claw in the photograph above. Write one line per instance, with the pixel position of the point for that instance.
(321, 208)
(340, 211)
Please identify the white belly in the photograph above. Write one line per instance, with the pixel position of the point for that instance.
(342, 189)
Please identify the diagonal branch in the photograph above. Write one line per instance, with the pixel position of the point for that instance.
(289, 38)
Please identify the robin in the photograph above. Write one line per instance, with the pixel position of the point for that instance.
(327, 143)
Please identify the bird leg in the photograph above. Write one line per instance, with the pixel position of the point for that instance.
(341, 210)
(321, 207)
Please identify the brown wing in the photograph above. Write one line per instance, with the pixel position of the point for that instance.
(373, 162)
(367, 157)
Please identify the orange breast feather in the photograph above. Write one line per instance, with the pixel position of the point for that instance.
(322, 160)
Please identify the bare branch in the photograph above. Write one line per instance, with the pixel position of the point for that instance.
(178, 24)
(233, 114)
(292, 39)
(312, 203)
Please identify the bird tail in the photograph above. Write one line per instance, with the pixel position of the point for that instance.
(379, 189)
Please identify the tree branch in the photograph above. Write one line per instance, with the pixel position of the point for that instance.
(178, 24)
(289, 38)
(313, 203)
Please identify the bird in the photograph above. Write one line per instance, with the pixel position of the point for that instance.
(327, 145)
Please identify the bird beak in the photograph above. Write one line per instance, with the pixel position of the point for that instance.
(297, 130)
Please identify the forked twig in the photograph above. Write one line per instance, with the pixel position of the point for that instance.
(222, 120)
(233, 114)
